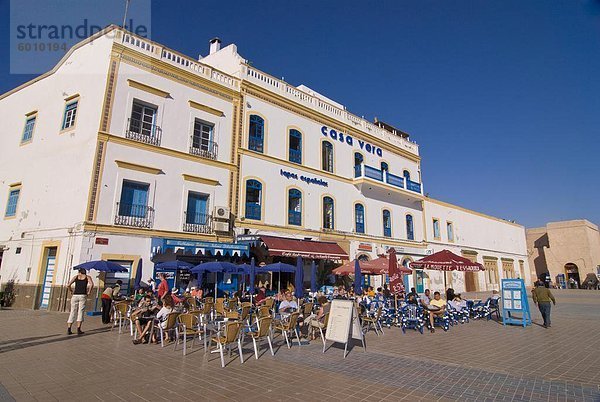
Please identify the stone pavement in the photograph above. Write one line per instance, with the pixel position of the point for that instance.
(475, 361)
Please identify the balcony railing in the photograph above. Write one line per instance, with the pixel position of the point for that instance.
(134, 215)
(295, 155)
(143, 132)
(294, 218)
(253, 211)
(197, 223)
(208, 151)
(256, 144)
(365, 171)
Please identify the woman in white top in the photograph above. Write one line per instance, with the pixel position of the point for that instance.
(164, 312)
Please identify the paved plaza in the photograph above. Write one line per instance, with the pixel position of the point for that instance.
(476, 361)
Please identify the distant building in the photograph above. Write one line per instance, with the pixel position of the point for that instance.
(567, 249)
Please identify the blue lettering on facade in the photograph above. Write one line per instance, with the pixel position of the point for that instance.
(346, 138)
(306, 179)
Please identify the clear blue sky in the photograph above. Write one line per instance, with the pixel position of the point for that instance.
(502, 96)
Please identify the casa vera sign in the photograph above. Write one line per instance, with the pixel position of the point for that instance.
(349, 140)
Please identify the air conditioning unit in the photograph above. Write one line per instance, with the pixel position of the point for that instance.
(221, 213)
(220, 226)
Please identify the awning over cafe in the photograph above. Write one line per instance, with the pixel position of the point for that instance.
(316, 250)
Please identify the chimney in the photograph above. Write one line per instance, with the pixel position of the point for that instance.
(215, 45)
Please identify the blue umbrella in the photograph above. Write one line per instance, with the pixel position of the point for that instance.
(357, 278)
(252, 272)
(138, 276)
(216, 266)
(276, 267)
(299, 279)
(313, 276)
(102, 266)
(173, 265)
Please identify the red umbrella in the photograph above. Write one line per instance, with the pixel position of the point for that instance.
(348, 268)
(446, 260)
(395, 273)
(383, 263)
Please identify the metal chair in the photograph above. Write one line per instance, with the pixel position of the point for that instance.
(232, 335)
(264, 331)
(289, 326)
(188, 325)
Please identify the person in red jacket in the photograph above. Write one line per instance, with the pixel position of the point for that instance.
(163, 286)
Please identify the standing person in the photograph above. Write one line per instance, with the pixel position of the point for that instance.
(163, 286)
(542, 297)
(83, 287)
(109, 294)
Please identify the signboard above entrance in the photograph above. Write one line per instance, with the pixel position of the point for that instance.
(349, 140)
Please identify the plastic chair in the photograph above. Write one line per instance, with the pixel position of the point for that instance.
(232, 335)
(264, 331)
(411, 318)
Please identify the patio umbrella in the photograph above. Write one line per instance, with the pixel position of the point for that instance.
(173, 265)
(276, 267)
(299, 279)
(138, 276)
(102, 266)
(396, 284)
(357, 278)
(313, 276)
(252, 273)
(215, 267)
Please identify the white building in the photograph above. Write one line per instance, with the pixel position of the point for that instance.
(128, 151)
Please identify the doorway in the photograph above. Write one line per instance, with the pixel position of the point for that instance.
(49, 269)
(470, 282)
(572, 273)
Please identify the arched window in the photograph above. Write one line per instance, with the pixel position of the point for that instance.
(256, 136)
(295, 141)
(328, 211)
(387, 223)
(253, 199)
(385, 167)
(359, 218)
(410, 231)
(327, 156)
(406, 174)
(358, 160)
(294, 207)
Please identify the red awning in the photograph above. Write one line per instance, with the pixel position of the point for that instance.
(446, 260)
(317, 250)
(378, 266)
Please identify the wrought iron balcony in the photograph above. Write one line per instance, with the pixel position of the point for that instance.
(142, 131)
(253, 211)
(294, 218)
(204, 149)
(134, 215)
(197, 223)
(364, 171)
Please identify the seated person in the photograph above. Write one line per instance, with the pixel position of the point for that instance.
(495, 295)
(316, 321)
(162, 315)
(437, 307)
(386, 291)
(450, 294)
(261, 296)
(412, 299)
(142, 316)
(413, 292)
(175, 296)
(371, 292)
(288, 306)
(458, 303)
(426, 298)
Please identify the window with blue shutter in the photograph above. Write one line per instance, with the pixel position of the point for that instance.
(28, 130)
(295, 146)
(70, 115)
(410, 232)
(359, 218)
(327, 156)
(328, 213)
(387, 223)
(134, 199)
(294, 207)
(13, 201)
(197, 208)
(253, 199)
(256, 135)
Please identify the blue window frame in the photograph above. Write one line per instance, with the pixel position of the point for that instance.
(327, 156)
(295, 140)
(328, 213)
(358, 160)
(410, 232)
(294, 207)
(450, 231)
(385, 167)
(359, 218)
(406, 175)
(134, 199)
(70, 115)
(387, 223)
(256, 136)
(253, 199)
(436, 229)
(197, 208)
(13, 201)
(28, 130)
